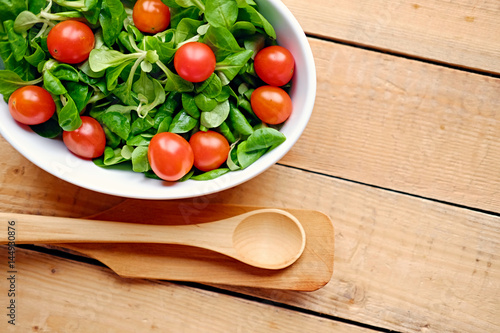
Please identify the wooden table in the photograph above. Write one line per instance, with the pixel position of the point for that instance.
(402, 152)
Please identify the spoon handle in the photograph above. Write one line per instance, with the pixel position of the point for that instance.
(29, 229)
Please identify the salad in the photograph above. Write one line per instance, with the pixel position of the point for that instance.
(174, 89)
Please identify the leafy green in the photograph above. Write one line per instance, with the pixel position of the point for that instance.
(233, 63)
(215, 117)
(222, 42)
(111, 18)
(18, 43)
(68, 115)
(212, 174)
(182, 123)
(129, 82)
(264, 138)
(11, 81)
(10, 9)
(221, 13)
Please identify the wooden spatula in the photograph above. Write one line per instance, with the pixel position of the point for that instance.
(182, 263)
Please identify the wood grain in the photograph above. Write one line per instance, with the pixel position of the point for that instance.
(52, 297)
(459, 32)
(402, 263)
(403, 125)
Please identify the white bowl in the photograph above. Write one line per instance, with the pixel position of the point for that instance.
(52, 156)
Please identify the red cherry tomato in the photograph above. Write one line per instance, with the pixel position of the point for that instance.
(170, 156)
(271, 104)
(88, 141)
(70, 42)
(210, 150)
(194, 61)
(31, 105)
(151, 16)
(274, 65)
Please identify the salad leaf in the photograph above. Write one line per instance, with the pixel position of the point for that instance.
(79, 92)
(189, 105)
(25, 21)
(65, 72)
(111, 18)
(246, 157)
(239, 121)
(264, 138)
(215, 117)
(101, 59)
(10, 9)
(52, 84)
(176, 83)
(189, 3)
(222, 42)
(117, 122)
(250, 14)
(68, 116)
(140, 159)
(18, 43)
(211, 174)
(10, 81)
(221, 13)
(49, 129)
(186, 29)
(233, 63)
(36, 6)
(37, 56)
(182, 123)
(178, 13)
(205, 103)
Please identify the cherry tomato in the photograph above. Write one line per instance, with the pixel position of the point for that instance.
(70, 42)
(151, 16)
(210, 150)
(170, 156)
(31, 105)
(271, 104)
(194, 61)
(274, 65)
(88, 141)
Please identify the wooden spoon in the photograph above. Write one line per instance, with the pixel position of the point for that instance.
(265, 238)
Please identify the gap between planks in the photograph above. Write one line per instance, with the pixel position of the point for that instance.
(458, 32)
(403, 125)
(106, 303)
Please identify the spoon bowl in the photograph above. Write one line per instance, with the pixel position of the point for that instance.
(264, 238)
(271, 239)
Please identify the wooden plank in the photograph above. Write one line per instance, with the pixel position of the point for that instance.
(458, 32)
(403, 125)
(27, 188)
(402, 263)
(51, 296)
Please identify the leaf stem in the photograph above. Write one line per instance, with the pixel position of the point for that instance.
(56, 17)
(134, 44)
(33, 82)
(96, 97)
(79, 4)
(163, 67)
(200, 5)
(132, 71)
